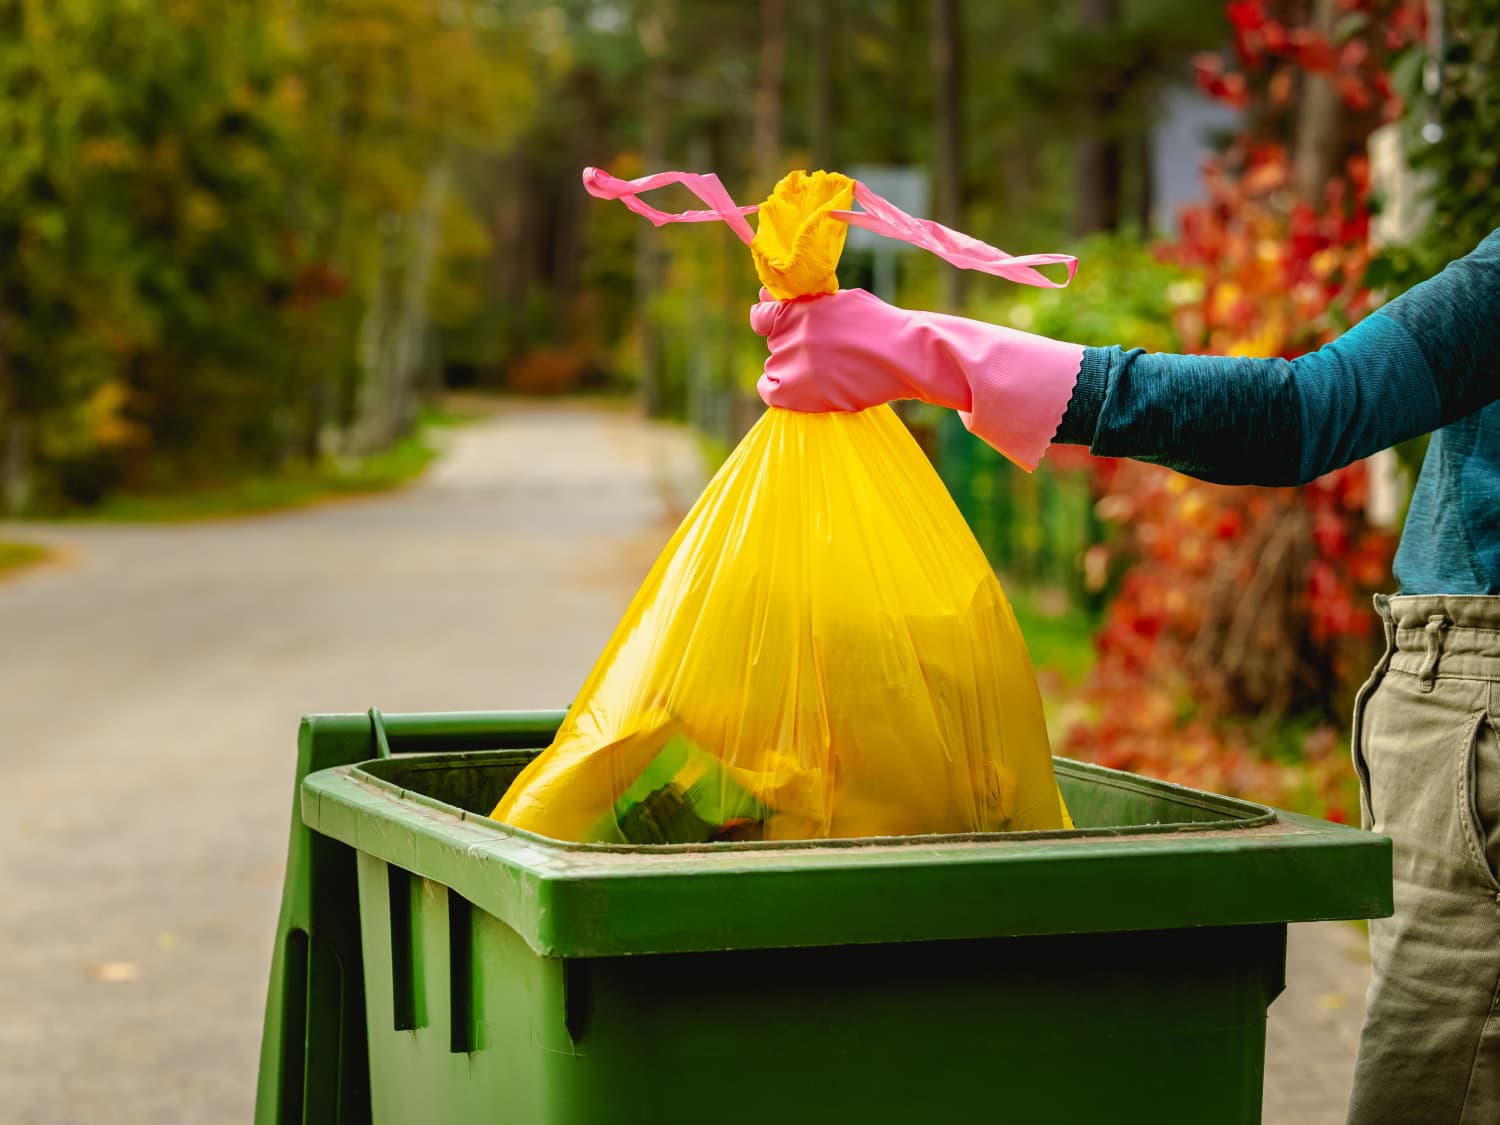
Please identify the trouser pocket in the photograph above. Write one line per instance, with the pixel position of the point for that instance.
(1433, 765)
(1357, 747)
(1480, 799)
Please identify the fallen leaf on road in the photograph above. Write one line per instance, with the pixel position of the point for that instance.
(1331, 1000)
(114, 972)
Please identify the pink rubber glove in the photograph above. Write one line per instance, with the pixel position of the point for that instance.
(849, 351)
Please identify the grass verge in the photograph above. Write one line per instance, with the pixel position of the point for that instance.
(713, 451)
(15, 556)
(301, 486)
(296, 488)
(1059, 635)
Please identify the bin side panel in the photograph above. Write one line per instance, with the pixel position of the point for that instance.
(1142, 1027)
(1153, 1027)
(313, 1059)
(312, 1065)
(461, 1022)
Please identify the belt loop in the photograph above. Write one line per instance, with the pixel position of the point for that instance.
(1436, 624)
(1388, 624)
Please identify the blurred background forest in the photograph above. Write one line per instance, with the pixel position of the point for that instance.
(258, 242)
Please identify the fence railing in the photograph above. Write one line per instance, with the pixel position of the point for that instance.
(1035, 527)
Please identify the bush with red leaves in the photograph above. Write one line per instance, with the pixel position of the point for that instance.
(1243, 613)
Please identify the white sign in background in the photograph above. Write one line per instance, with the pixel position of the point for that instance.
(907, 186)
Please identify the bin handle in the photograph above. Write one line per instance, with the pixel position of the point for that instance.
(377, 728)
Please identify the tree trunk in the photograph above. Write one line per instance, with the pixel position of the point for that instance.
(588, 147)
(825, 21)
(393, 334)
(511, 231)
(767, 143)
(655, 32)
(1101, 158)
(947, 65)
(15, 466)
(15, 438)
(1145, 204)
(373, 350)
(1317, 120)
(412, 323)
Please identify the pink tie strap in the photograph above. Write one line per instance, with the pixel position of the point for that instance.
(879, 215)
(884, 217)
(706, 186)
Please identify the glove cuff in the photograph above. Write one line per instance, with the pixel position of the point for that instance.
(1020, 393)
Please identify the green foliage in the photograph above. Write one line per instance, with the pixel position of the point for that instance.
(227, 223)
(1073, 81)
(142, 186)
(241, 238)
(1450, 137)
(1123, 294)
(1059, 632)
(1465, 163)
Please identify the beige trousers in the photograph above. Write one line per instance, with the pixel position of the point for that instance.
(1426, 751)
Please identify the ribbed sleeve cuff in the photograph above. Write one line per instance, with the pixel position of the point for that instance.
(1081, 419)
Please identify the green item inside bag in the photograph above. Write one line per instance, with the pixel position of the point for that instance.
(684, 796)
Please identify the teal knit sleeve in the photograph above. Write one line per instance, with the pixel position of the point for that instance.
(1427, 358)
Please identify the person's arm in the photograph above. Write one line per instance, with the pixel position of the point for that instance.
(1427, 358)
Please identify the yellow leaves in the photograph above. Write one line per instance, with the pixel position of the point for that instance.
(1266, 176)
(464, 236)
(1326, 261)
(453, 294)
(115, 972)
(408, 78)
(201, 212)
(291, 94)
(250, 161)
(164, 160)
(42, 227)
(104, 419)
(1185, 291)
(549, 35)
(1022, 316)
(798, 243)
(360, 34)
(1265, 340)
(106, 152)
(1225, 296)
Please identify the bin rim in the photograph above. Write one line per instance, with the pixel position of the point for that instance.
(1238, 814)
(591, 900)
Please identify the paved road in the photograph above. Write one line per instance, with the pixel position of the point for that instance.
(1314, 1027)
(149, 692)
(149, 695)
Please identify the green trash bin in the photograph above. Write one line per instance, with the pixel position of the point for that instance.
(433, 965)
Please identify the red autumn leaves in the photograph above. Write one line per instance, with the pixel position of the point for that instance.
(1241, 614)
(1352, 56)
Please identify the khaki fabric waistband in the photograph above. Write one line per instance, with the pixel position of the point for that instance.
(1432, 635)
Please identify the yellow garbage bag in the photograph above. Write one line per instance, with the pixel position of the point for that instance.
(821, 650)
